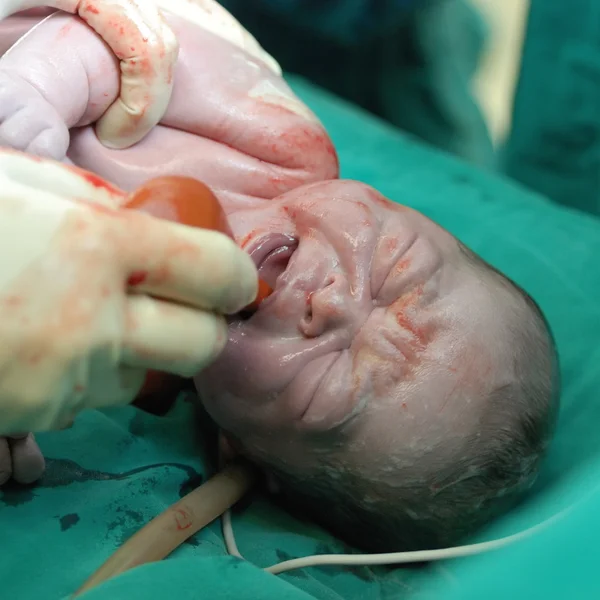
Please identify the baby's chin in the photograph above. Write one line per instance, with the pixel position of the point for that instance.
(255, 386)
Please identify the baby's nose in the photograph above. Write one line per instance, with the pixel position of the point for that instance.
(330, 308)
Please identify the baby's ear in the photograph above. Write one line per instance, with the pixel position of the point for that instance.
(28, 122)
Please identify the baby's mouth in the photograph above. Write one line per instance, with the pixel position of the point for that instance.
(271, 255)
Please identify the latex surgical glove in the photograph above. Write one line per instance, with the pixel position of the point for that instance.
(147, 48)
(92, 296)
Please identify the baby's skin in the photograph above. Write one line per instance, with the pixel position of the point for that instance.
(16, 26)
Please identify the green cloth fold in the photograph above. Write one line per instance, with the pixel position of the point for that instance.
(115, 470)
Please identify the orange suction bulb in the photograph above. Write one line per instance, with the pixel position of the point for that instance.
(180, 200)
(264, 291)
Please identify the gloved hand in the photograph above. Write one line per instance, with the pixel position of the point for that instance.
(77, 326)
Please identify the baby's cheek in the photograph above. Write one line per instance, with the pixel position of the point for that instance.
(228, 409)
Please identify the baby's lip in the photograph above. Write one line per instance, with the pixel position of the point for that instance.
(265, 252)
(271, 255)
(292, 274)
(267, 244)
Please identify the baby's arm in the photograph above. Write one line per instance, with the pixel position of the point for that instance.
(48, 86)
(232, 122)
(17, 25)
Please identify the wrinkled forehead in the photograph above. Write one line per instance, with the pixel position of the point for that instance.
(343, 205)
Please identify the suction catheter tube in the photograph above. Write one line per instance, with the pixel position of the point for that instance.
(180, 521)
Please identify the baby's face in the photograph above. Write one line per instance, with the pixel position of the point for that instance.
(375, 344)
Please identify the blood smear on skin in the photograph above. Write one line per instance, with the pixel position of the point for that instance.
(137, 278)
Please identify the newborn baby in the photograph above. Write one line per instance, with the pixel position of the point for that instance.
(394, 386)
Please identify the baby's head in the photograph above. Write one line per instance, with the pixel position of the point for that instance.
(397, 387)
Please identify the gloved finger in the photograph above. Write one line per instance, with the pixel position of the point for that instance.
(5, 461)
(140, 37)
(55, 178)
(28, 462)
(198, 267)
(212, 17)
(147, 49)
(172, 338)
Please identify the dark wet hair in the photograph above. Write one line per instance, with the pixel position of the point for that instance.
(465, 489)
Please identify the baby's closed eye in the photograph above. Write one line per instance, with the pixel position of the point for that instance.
(414, 268)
